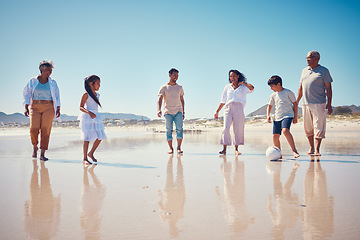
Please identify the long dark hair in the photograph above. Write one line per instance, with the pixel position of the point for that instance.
(88, 80)
(242, 77)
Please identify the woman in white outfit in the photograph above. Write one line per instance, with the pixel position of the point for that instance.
(234, 100)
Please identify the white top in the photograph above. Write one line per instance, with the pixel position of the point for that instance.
(91, 105)
(283, 101)
(29, 89)
(235, 95)
(171, 94)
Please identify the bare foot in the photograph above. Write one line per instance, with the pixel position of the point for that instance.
(179, 151)
(223, 152)
(317, 153)
(86, 162)
(310, 152)
(171, 151)
(296, 154)
(92, 157)
(237, 153)
(34, 155)
(43, 158)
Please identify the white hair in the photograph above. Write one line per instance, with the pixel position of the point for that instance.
(46, 63)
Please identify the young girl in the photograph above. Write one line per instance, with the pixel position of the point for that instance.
(90, 120)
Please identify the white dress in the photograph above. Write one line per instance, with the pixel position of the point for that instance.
(92, 128)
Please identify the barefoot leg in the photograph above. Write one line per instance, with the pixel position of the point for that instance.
(34, 155)
(317, 146)
(179, 141)
(237, 152)
(224, 150)
(42, 156)
(93, 149)
(171, 147)
(311, 143)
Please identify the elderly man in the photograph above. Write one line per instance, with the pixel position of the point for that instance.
(315, 87)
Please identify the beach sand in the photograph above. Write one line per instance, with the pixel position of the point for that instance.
(138, 191)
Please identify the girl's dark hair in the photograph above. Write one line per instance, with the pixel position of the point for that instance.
(242, 77)
(88, 80)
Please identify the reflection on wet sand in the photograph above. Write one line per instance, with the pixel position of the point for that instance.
(284, 210)
(172, 201)
(42, 211)
(92, 199)
(318, 220)
(233, 202)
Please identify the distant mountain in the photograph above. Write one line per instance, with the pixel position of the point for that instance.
(262, 110)
(21, 118)
(127, 116)
(354, 109)
(15, 117)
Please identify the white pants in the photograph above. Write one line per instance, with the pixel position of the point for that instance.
(233, 113)
(314, 119)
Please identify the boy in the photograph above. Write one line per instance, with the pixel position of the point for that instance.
(286, 111)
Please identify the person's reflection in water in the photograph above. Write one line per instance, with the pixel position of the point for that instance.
(172, 201)
(42, 211)
(234, 205)
(92, 199)
(318, 220)
(285, 210)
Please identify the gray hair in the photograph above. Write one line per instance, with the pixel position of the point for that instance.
(315, 54)
(46, 63)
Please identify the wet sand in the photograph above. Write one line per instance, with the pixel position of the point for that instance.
(138, 191)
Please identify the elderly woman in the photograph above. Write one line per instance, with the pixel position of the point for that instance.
(234, 100)
(42, 93)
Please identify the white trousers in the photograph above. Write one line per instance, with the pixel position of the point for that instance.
(233, 113)
(314, 119)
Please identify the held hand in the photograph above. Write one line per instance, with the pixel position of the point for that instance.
(295, 120)
(216, 115)
(92, 115)
(159, 114)
(57, 112)
(329, 109)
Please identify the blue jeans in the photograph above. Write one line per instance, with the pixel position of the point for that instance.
(178, 119)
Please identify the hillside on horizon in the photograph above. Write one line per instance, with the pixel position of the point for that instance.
(21, 118)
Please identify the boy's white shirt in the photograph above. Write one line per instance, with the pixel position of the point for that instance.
(283, 103)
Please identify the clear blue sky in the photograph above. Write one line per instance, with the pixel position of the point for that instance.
(131, 45)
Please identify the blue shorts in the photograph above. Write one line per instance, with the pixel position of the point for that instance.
(279, 125)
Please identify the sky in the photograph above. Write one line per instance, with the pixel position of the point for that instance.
(131, 45)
